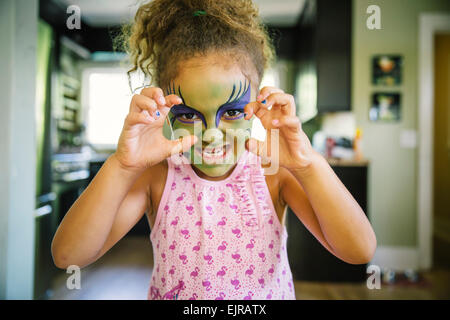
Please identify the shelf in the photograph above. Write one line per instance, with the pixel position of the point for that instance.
(70, 82)
(69, 92)
(71, 104)
(67, 125)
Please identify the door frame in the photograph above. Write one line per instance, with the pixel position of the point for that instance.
(429, 25)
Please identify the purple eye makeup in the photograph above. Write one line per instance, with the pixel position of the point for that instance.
(186, 114)
(235, 104)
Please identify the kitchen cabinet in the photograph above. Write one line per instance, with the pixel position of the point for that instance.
(308, 259)
(333, 55)
(324, 55)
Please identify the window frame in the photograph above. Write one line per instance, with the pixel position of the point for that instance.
(86, 71)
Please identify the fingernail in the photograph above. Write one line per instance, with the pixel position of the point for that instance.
(161, 100)
(258, 97)
(275, 121)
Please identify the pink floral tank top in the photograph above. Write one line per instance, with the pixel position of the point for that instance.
(219, 239)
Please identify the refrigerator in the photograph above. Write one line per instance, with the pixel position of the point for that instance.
(44, 209)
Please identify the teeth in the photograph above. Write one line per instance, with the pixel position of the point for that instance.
(212, 155)
(217, 150)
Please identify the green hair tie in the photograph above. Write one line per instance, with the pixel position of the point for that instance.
(199, 13)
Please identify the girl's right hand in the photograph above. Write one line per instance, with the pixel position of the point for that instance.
(142, 143)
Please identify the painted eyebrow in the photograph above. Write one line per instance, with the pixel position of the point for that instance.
(184, 108)
(171, 88)
(238, 103)
(238, 94)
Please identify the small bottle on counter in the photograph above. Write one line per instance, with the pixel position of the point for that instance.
(357, 145)
(330, 143)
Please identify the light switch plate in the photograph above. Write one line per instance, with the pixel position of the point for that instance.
(408, 139)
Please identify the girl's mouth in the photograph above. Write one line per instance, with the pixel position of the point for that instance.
(213, 155)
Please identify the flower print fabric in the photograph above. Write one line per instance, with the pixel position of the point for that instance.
(219, 239)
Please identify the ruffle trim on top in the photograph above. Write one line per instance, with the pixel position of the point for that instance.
(252, 212)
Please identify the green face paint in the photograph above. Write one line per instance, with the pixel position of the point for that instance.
(212, 108)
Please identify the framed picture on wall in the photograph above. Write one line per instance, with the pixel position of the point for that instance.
(386, 106)
(387, 70)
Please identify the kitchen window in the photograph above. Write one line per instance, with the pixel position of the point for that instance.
(106, 97)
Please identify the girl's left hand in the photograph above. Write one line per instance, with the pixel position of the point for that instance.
(294, 148)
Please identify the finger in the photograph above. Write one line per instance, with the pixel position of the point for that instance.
(287, 122)
(285, 101)
(140, 103)
(156, 94)
(266, 91)
(172, 99)
(259, 148)
(160, 117)
(181, 145)
(164, 111)
(254, 108)
(134, 118)
(262, 111)
(255, 146)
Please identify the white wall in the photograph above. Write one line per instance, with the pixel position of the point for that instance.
(393, 169)
(18, 34)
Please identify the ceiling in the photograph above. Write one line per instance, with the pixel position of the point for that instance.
(102, 13)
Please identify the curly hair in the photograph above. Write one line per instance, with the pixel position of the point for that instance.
(168, 32)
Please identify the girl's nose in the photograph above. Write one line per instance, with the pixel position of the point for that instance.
(212, 135)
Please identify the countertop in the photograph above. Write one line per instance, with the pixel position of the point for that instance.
(347, 162)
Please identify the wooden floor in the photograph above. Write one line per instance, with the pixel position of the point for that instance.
(124, 273)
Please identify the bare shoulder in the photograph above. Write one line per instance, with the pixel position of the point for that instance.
(279, 178)
(151, 176)
(157, 174)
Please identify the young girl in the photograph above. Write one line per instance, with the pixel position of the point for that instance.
(217, 225)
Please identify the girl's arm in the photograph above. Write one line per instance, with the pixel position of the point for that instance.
(117, 197)
(311, 188)
(108, 208)
(329, 211)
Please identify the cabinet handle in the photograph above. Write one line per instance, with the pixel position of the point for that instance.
(42, 211)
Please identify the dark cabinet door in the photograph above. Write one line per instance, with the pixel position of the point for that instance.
(308, 259)
(333, 55)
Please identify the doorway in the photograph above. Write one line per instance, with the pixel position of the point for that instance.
(430, 24)
(441, 152)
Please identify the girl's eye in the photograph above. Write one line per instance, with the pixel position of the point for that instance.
(187, 117)
(233, 114)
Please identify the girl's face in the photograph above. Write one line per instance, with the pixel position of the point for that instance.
(213, 97)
